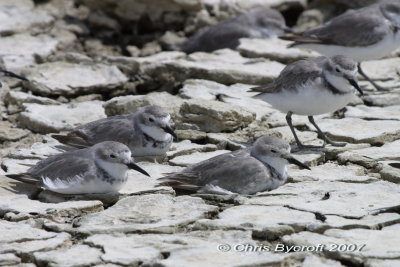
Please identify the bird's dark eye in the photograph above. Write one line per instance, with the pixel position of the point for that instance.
(151, 119)
(273, 151)
(113, 156)
(337, 69)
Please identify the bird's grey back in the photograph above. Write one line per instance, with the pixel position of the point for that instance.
(256, 23)
(65, 165)
(295, 75)
(361, 27)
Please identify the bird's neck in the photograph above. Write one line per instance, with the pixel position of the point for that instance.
(157, 134)
(277, 164)
(337, 84)
(115, 170)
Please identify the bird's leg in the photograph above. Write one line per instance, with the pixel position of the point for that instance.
(377, 87)
(299, 144)
(322, 135)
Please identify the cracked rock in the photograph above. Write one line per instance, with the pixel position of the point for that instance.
(332, 172)
(373, 248)
(332, 198)
(63, 78)
(374, 113)
(236, 94)
(273, 49)
(19, 16)
(214, 116)
(78, 255)
(223, 66)
(20, 207)
(55, 118)
(9, 132)
(181, 248)
(130, 104)
(348, 130)
(146, 213)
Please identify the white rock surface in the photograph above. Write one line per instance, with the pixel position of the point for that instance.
(62, 78)
(273, 49)
(130, 104)
(223, 66)
(373, 132)
(79, 255)
(374, 113)
(20, 207)
(55, 118)
(146, 213)
(215, 116)
(332, 198)
(18, 16)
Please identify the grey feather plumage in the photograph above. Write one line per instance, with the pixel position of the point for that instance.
(294, 75)
(354, 28)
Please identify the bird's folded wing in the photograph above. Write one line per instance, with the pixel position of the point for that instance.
(64, 167)
(294, 76)
(354, 28)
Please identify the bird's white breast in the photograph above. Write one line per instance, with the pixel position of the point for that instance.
(311, 99)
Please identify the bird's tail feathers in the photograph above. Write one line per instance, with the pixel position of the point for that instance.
(74, 139)
(177, 181)
(25, 178)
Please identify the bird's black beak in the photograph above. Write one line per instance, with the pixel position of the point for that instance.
(169, 130)
(133, 166)
(12, 74)
(355, 84)
(298, 163)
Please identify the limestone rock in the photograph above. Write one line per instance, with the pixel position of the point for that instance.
(374, 113)
(369, 157)
(9, 132)
(19, 16)
(361, 131)
(147, 213)
(256, 217)
(332, 172)
(182, 246)
(130, 104)
(273, 49)
(312, 260)
(18, 232)
(237, 94)
(19, 50)
(26, 247)
(214, 116)
(332, 198)
(365, 241)
(79, 255)
(390, 171)
(383, 100)
(20, 98)
(223, 66)
(20, 207)
(9, 259)
(63, 78)
(55, 118)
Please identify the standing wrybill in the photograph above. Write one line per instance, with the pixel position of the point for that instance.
(311, 87)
